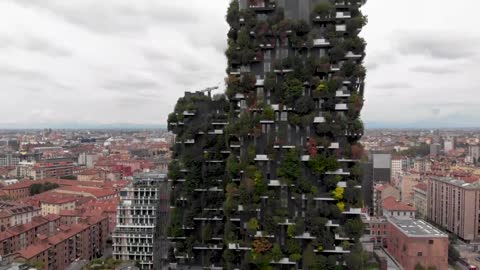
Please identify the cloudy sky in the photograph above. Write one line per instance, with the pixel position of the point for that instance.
(81, 62)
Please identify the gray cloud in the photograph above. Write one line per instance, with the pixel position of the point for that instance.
(392, 85)
(436, 44)
(44, 46)
(434, 69)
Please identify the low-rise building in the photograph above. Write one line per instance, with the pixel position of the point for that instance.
(380, 193)
(12, 214)
(416, 242)
(392, 207)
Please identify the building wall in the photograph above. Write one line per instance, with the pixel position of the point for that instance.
(410, 251)
(454, 208)
(420, 202)
(55, 208)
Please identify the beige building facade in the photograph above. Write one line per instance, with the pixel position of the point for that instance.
(454, 205)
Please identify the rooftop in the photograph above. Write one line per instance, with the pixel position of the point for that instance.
(391, 204)
(417, 228)
(458, 182)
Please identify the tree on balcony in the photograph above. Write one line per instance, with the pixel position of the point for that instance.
(324, 8)
(290, 167)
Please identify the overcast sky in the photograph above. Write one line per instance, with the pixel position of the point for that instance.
(124, 61)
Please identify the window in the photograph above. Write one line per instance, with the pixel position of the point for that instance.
(419, 254)
(430, 242)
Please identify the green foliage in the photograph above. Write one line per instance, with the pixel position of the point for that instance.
(357, 259)
(40, 188)
(324, 7)
(268, 113)
(338, 193)
(321, 164)
(354, 228)
(253, 225)
(414, 151)
(419, 267)
(309, 259)
(304, 105)
(293, 247)
(453, 254)
(290, 169)
(233, 167)
(293, 91)
(295, 257)
(270, 81)
(291, 230)
(277, 253)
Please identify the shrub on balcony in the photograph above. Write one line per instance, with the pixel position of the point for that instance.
(293, 91)
(354, 228)
(233, 166)
(276, 252)
(253, 225)
(290, 167)
(268, 113)
(321, 164)
(304, 105)
(270, 81)
(337, 53)
(348, 68)
(324, 8)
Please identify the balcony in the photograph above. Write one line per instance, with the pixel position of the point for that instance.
(262, 5)
(212, 189)
(261, 158)
(351, 55)
(287, 222)
(284, 261)
(237, 246)
(305, 236)
(342, 93)
(341, 238)
(320, 42)
(334, 68)
(216, 132)
(205, 247)
(235, 72)
(323, 19)
(305, 158)
(189, 141)
(319, 120)
(324, 199)
(342, 184)
(353, 211)
(267, 122)
(343, 15)
(341, 107)
(267, 46)
(332, 223)
(260, 83)
(341, 28)
(260, 234)
(338, 172)
(337, 250)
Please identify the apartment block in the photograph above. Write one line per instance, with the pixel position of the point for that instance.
(12, 214)
(85, 240)
(454, 205)
(142, 216)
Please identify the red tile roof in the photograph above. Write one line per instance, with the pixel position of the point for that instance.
(422, 186)
(391, 204)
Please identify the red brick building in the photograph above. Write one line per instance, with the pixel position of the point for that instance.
(86, 240)
(413, 242)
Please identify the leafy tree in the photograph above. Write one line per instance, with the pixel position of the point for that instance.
(277, 253)
(453, 254)
(294, 90)
(42, 187)
(290, 169)
(252, 225)
(321, 164)
(304, 105)
(419, 267)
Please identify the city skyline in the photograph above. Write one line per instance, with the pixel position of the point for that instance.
(114, 66)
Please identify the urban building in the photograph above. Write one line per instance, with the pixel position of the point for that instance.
(53, 169)
(142, 217)
(453, 204)
(381, 168)
(420, 200)
(448, 145)
(435, 149)
(474, 153)
(392, 207)
(397, 167)
(12, 214)
(415, 242)
(9, 159)
(86, 240)
(275, 165)
(380, 193)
